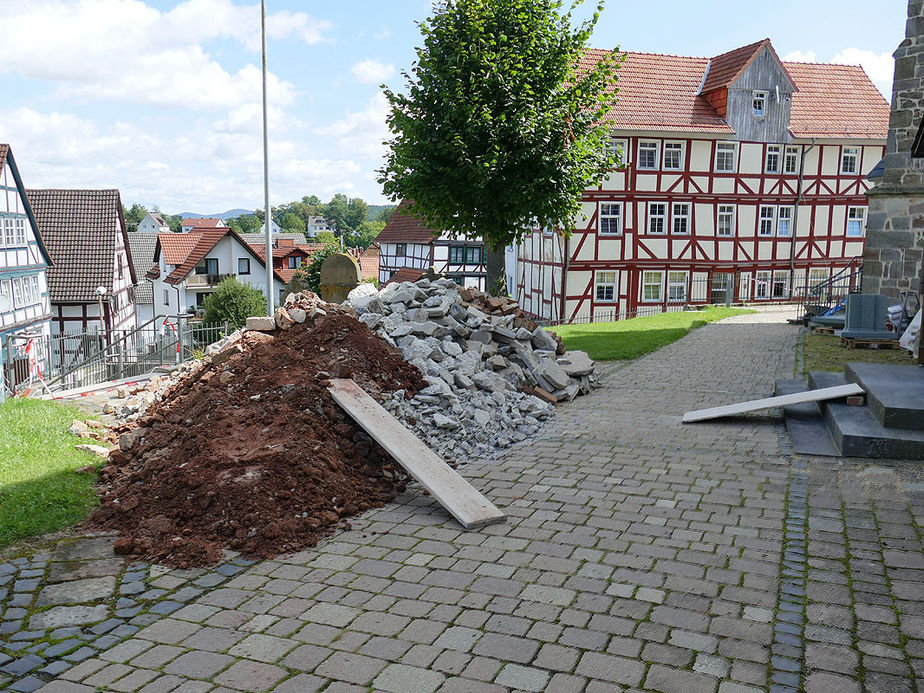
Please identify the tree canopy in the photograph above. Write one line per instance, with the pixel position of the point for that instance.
(503, 124)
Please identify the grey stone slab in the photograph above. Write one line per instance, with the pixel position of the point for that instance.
(65, 616)
(78, 570)
(77, 591)
(85, 548)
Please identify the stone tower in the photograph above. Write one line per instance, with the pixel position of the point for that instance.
(895, 225)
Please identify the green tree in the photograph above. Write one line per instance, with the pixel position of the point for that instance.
(292, 223)
(327, 238)
(337, 212)
(245, 223)
(233, 301)
(134, 216)
(503, 124)
(309, 274)
(364, 235)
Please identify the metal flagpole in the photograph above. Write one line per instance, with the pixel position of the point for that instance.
(267, 212)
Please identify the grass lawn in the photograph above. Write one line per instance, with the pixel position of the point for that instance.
(629, 339)
(39, 489)
(824, 352)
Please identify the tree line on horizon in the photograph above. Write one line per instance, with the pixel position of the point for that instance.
(352, 218)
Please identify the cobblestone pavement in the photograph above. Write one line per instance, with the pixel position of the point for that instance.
(640, 554)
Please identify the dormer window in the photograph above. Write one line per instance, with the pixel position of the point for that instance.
(849, 160)
(759, 103)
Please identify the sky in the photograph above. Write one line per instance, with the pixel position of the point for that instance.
(161, 99)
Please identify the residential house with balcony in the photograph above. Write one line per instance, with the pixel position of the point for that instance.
(189, 266)
(288, 254)
(92, 281)
(740, 171)
(406, 243)
(25, 308)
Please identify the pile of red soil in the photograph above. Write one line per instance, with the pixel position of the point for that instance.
(254, 455)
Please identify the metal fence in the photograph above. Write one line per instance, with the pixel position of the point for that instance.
(73, 360)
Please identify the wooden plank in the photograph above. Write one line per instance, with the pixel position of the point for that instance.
(455, 494)
(770, 402)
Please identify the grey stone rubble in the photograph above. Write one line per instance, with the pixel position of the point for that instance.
(477, 365)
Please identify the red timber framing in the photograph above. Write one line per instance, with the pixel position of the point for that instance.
(821, 240)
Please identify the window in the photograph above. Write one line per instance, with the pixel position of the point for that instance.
(725, 222)
(19, 226)
(8, 233)
(651, 286)
(759, 103)
(767, 218)
(18, 298)
(791, 164)
(605, 286)
(657, 217)
(474, 255)
(167, 297)
(211, 265)
(677, 287)
(781, 284)
(618, 149)
(673, 156)
(726, 154)
(243, 265)
(784, 222)
(773, 158)
(648, 154)
(849, 160)
(294, 261)
(681, 218)
(611, 218)
(762, 285)
(400, 249)
(200, 299)
(6, 290)
(457, 255)
(856, 216)
(818, 276)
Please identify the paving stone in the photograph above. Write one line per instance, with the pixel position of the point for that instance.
(507, 647)
(77, 591)
(353, 668)
(247, 675)
(522, 678)
(169, 631)
(822, 682)
(628, 672)
(400, 678)
(198, 664)
(263, 648)
(65, 616)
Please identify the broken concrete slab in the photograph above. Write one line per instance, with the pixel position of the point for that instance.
(261, 324)
(77, 591)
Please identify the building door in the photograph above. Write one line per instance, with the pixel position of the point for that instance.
(722, 288)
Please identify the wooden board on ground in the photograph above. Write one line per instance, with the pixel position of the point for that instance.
(770, 402)
(455, 494)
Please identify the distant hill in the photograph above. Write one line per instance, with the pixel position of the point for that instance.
(230, 214)
(374, 210)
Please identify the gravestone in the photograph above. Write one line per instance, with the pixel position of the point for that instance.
(340, 274)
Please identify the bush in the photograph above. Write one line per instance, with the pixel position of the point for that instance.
(233, 301)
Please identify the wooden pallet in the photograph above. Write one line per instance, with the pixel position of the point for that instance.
(851, 343)
(453, 492)
(822, 329)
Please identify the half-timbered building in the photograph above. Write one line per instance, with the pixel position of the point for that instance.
(738, 173)
(406, 242)
(24, 305)
(92, 281)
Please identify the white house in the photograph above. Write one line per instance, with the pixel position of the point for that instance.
(84, 231)
(316, 224)
(25, 309)
(189, 224)
(142, 245)
(189, 266)
(153, 223)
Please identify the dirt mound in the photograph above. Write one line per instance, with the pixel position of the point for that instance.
(254, 455)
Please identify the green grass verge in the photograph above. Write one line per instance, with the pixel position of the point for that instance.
(629, 339)
(824, 352)
(39, 489)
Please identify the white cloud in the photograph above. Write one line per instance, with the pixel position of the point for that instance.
(371, 71)
(879, 66)
(206, 168)
(125, 49)
(362, 133)
(799, 57)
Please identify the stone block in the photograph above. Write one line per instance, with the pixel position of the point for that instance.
(261, 324)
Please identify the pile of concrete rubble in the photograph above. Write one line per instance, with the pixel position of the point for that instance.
(493, 373)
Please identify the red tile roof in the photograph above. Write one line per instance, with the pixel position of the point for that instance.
(836, 101)
(176, 247)
(207, 240)
(660, 92)
(369, 261)
(405, 228)
(203, 223)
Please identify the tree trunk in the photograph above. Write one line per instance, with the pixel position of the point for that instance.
(496, 281)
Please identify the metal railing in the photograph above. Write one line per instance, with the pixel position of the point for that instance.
(73, 360)
(829, 296)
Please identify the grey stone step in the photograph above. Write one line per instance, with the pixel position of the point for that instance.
(895, 394)
(821, 379)
(857, 433)
(806, 423)
(828, 320)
